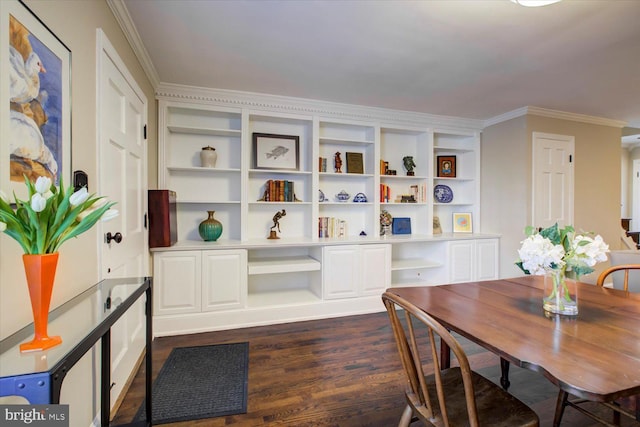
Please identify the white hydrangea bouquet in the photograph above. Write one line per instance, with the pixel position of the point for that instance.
(556, 248)
(559, 253)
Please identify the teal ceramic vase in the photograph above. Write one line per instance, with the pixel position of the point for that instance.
(210, 229)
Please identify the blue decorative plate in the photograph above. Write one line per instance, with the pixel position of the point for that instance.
(443, 193)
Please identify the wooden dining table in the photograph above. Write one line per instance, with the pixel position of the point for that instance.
(594, 355)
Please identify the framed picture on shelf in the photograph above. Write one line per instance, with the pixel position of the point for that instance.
(354, 163)
(446, 166)
(272, 151)
(462, 222)
(37, 139)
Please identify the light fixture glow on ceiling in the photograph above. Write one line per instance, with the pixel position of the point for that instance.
(534, 3)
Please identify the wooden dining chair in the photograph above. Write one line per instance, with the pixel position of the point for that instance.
(455, 396)
(626, 268)
(563, 397)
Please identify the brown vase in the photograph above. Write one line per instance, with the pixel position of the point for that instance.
(41, 272)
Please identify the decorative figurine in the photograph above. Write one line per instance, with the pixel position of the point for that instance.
(337, 161)
(385, 223)
(409, 164)
(276, 224)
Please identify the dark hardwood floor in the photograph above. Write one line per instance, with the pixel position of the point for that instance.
(335, 372)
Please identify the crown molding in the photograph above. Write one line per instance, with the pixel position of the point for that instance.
(554, 114)
(131, 33)
(292, 105)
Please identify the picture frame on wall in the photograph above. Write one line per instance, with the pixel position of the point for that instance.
(462, 222)
(271, 151)
(446, 166)
(35, 109)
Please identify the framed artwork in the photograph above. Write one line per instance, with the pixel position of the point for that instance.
(354, 163)
(35, 105)
(272, 151)
(446, 166)
(462, 222)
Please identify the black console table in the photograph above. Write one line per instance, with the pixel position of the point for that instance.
(82, 322)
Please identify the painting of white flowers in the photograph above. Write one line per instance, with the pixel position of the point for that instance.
(37, 140)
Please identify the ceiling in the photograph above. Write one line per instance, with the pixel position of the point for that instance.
(474, 59)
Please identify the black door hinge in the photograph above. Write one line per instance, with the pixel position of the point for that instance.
(144, 131)
(145, 221)
(570, 158)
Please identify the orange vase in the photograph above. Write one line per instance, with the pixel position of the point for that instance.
(41, 272)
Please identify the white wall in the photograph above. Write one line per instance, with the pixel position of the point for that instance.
(506, 181)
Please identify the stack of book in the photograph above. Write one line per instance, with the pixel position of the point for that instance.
(385, 193)
(332, 227)
(322, 164)
(277, 190)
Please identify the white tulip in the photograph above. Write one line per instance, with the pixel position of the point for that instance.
(110, 214)
(79, 197)
(38, 203)
(43, 184)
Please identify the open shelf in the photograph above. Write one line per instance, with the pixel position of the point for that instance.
(282, 265)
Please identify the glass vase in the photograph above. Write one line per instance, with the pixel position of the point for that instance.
(560, 294)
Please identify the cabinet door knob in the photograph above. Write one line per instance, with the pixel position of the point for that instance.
(117, 237)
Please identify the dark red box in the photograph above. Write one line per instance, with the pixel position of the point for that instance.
(163, 221)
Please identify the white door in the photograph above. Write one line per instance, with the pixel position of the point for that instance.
(553, 160)
(122, 165)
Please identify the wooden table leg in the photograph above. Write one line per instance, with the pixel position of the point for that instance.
(445, 355)
(560, 404)
(504, 379)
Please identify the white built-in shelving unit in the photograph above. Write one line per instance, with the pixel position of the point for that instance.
(245, 279)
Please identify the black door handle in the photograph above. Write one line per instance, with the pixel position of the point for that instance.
(117, 237)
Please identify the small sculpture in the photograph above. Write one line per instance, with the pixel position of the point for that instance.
(385, 223)
(337, 161)
(276, 224)
(409, 164)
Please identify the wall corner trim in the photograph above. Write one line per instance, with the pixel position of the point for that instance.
(554, 114)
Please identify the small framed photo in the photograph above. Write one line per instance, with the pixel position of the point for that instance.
(446, 166)
(354, 163)
(272, 151)
(462, 222)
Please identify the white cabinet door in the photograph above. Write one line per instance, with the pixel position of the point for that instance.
(340, 271)
(355, 270)
(224, 279)
(487, 259)
(461, 262)
(177, 279)
(375, 270)
(472, 260)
